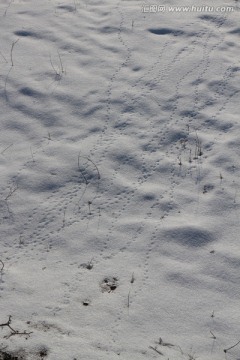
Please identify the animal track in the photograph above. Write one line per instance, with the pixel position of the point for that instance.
(109, 284)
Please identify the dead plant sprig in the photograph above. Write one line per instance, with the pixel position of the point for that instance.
(213, 336)
(5, 83)
(226, 350)
(198, 147)
(6, 148)
(11, 52)
(88, 159)
(60, 70)
(9, 4)
(162, 343)
(79, 168)
(13, 331)
(155, 349)
(1, 270)
(12, 190)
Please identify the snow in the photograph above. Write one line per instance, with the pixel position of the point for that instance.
(119, 158)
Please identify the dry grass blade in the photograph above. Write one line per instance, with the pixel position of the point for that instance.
(226, 350)
(1, 270)
(155, 349)
(87, 158)
(11, 53)
(84, 177)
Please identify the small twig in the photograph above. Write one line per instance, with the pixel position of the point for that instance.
(11, 54)
(132, 278)
(5, 12)
(8, 323)
(85, 179)
(88, 159)
(182, 353)
(13, 331)
(99, 177)
(1, 270)
(32, 154)
(11, 192)
(21, 240)
(190, 156)
(5, 83)
(62, 69)
(162, 343)
(198, 147)
(84, 191)
(99, 215)
(213, 336)
(64, 218)
(89, 207)
(153, 348)
(8, 208)
(6, 148)
(57, 73)
(225, 350)
(128, 304)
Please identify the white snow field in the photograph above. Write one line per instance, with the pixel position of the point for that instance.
(119, 181)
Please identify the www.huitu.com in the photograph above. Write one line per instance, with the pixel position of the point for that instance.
(206, 8)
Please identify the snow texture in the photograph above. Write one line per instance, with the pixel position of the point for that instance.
(119, 181)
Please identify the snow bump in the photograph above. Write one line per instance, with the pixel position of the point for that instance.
(190, 236)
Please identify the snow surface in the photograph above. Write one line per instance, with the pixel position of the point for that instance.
(119, 155)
